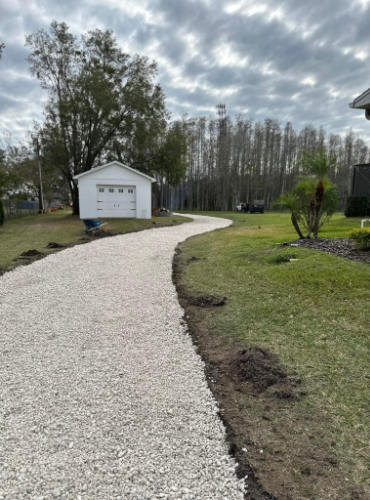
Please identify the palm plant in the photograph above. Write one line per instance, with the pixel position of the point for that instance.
(314, 199)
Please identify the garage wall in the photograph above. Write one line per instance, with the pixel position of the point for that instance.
(116, 176)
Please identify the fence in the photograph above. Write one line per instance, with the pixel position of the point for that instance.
(18, 208)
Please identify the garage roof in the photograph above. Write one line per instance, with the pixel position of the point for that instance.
(101, 167)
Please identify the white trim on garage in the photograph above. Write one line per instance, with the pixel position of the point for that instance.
(97, 169)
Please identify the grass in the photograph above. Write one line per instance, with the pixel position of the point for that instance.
(313, 312)
(36, 231)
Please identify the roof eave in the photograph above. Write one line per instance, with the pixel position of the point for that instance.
(362, 101)
(101, 167)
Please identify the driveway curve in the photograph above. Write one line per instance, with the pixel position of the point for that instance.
(102, 393)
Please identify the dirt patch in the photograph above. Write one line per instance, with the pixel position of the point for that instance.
(279, 443)
(31, 255)
(342, 247)
(100, 233)
(258, 367)
(255, 370)
(207, 301)
(193, 259)
(53, 244)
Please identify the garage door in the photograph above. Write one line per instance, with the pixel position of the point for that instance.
(116, 201)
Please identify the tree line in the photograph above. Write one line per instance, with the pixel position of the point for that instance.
(239, 160)
(104, 105)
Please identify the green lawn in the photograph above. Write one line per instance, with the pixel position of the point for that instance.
(313, 312)
(36, 231)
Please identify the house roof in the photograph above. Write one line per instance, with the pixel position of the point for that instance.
(101, 167)
(362, 101)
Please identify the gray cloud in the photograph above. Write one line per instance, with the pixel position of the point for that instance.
(296, 61)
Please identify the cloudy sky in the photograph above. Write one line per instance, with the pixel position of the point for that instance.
(297, 60)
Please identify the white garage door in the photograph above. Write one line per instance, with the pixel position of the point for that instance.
(116, 201)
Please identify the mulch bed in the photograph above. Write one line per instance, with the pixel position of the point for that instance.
(342, 247)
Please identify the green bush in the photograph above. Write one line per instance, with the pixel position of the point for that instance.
(357, 206)
(2, 213)
(362, 238)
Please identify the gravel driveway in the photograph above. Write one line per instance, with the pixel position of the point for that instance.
(102, 393)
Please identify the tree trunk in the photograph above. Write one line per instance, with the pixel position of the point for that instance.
(319, 195)
(41, 203)
(296, 226)
(75, 199)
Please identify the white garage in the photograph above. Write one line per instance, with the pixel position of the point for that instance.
(114, 190)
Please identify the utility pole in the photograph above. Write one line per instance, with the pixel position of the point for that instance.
(41, 192)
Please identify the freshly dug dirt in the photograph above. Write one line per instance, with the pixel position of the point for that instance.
(258, 367)
(100, 233)
(29, 256)
(207, 301)
(342, 247)
(281, 447)
(255, 370)
(31, 253)
(53, 244)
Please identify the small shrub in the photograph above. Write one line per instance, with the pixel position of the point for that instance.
(2, 213)
(362, 238)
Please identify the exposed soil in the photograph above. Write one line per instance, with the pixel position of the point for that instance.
(193, 259)
(342, 247)
(207, 301)
(30, 255)
(53, 244)
(255, 370)
(281, 449)
(98, 233)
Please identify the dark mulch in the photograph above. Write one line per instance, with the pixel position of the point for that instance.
(342, 247)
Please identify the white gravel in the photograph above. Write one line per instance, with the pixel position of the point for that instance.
(102, 393)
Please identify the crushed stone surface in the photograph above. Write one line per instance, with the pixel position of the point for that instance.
(103, 395)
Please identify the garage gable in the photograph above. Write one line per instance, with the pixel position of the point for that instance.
(114, 170)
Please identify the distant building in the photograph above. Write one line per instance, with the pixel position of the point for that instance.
(360, 183)
(358, 201)
(362, 102)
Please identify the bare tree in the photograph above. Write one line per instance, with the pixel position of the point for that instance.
(238, 160)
